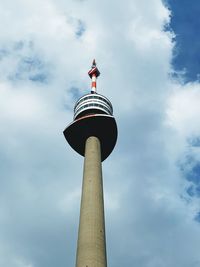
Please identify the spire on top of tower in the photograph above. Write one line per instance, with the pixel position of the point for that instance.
(94, 63)
(93, 70)
(93, 73)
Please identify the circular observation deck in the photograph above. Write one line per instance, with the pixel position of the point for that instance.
(93, 116)
(92, 103)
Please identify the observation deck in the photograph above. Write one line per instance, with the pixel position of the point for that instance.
(92, 103)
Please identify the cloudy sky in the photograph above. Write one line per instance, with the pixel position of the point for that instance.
(148, 55)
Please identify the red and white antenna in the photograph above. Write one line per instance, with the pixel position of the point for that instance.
(94, 73)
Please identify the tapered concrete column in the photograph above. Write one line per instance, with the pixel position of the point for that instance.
(91, 247)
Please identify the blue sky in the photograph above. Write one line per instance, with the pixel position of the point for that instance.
(149, 71)
(185, 23)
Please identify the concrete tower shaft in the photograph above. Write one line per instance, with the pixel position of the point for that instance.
(91, 247)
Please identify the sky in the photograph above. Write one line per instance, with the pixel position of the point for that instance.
(185, 24)
(147, 54)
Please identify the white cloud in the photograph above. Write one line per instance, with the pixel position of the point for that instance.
(150, 222)
(184, 109)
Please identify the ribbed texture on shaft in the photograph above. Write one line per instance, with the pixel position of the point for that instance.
(91, 247)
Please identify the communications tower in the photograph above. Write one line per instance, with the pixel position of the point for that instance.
(93, 134)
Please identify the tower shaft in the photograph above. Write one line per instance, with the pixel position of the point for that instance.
(91, 247)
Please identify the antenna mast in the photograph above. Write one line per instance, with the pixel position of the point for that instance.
(94, 73)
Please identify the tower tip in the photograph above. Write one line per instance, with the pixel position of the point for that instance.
(94, 63)
(94, 70)
(93, 73)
